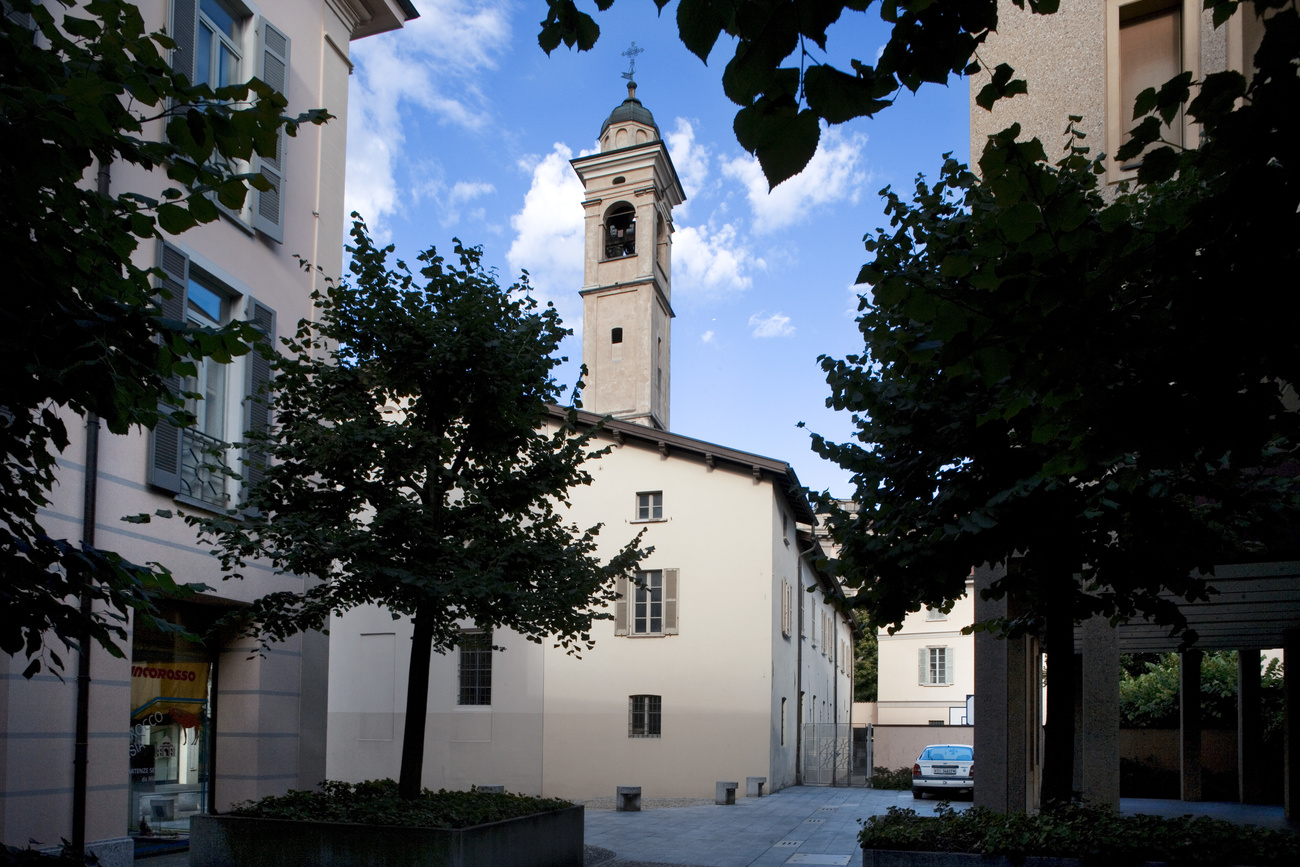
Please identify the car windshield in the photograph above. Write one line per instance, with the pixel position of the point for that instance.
(948, 754)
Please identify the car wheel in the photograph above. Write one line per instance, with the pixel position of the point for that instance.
(917, 793)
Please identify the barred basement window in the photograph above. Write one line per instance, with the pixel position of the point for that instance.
(643, 716)
(476, 668)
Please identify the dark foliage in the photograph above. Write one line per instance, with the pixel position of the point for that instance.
(376, 802)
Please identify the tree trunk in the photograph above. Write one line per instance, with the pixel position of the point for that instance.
(1058, 747)
(417, 705)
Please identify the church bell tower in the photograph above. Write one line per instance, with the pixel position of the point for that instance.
(630, 191)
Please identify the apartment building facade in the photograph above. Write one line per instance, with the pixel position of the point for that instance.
(175, 727)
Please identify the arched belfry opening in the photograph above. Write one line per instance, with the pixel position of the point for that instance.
(629, 191)
(620, 231)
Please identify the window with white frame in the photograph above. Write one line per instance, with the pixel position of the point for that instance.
(935, 614)
(196, 461)
(1148, 43)
(650, 506)
(218, 49)
(644, 716)
(936, 666)
(475, 668)
(787, 607)
(647, 603)
(220, 43)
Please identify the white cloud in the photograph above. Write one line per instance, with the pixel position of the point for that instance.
(549, 228)
(712, 261)
(464, 191)
(776, 325)
(690, 157)
(433, 63)
(834, 174)
(706, 337)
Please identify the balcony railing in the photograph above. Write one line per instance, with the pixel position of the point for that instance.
(203, 468)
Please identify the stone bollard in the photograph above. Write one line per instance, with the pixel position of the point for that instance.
(627, 799)
(492, 789)
(754, 786)
(725, 793)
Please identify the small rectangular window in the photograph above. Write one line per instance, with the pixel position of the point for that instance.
(936, 666)
(650, 506)
(475, 668)
(616, 335)
(644, 716)
(935, 614)
(648, 603)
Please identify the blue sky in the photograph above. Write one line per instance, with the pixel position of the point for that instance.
(460, 126)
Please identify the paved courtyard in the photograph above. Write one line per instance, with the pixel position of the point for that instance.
(798, 825)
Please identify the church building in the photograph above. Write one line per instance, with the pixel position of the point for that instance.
(722, 648)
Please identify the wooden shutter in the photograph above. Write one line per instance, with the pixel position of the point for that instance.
(949, 660)
(181, 28)
(268, 207)
(620, 606)
(165, 441)
(923, 673)
(670, 601)
(257, 405)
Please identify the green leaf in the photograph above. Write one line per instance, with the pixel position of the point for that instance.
(1001, 85)
(837, 97)
(1019, 222)
(1158, 164)
(174, 219)
(700, 22)
(783, 140)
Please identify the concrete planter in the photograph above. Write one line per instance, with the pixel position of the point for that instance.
(897, 858)
(545, 840)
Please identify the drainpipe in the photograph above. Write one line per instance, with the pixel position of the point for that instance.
(835, 699)
(81, 747)
(798, 682)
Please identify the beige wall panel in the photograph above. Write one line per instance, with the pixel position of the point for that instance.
(897, 746)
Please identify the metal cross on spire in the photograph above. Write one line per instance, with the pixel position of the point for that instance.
(631, 54)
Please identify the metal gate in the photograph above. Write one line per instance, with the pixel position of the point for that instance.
(836, 754)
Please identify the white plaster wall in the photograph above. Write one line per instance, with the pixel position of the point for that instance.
(715, 676)
(902, 699)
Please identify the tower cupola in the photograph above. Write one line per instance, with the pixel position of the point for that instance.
(630, 123)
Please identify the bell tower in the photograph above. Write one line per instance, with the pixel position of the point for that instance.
(630, 189)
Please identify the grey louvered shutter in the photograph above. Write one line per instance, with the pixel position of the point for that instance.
(923, 673)
(620, 606)
(181, 28)
(949, 663)
(257, 406)
(671, 581)
(268, 206)
(165, 441)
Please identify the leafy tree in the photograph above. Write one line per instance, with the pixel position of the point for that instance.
(778, 73)
(866, 667)
(1036, 388)
(412, 467)
(1149, 698)
(84, 333)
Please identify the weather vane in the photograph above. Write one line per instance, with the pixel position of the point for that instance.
(631, 54)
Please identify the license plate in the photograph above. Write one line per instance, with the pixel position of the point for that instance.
(952, 772)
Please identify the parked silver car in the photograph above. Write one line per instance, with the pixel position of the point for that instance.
(944, 768)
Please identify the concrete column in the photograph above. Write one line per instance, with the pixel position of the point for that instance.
(1100, 735)
(1250, 742)
(1004, 742)
(1290, 725)
(1189, 729)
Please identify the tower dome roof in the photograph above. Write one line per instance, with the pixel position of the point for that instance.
(630, 109)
